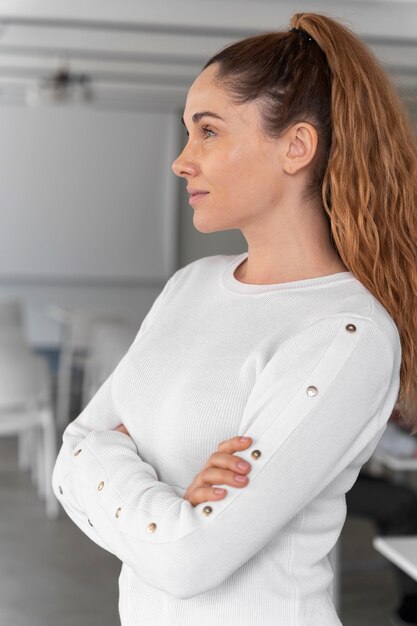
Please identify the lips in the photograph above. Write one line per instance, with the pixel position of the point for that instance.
(196, 195)
(196, 192)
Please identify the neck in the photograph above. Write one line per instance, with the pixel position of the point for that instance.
(297, 252)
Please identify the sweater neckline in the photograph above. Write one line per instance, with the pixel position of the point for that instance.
(233, 284)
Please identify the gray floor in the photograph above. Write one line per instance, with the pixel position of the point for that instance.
(53, 575)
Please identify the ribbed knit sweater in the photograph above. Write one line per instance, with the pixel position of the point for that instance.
(310, 369)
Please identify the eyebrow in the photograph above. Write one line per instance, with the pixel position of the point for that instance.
(197, 116)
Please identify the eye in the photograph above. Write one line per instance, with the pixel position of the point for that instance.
(207, 132)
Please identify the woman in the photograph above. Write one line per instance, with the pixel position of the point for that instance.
(297, 139)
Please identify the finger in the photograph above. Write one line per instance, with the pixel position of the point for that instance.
(205, 494)
(234, 444)
(223, 461)
(215, 476)
(123, 429)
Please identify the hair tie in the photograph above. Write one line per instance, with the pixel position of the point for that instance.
(302, 32)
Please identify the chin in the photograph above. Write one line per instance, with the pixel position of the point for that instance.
(205, 226)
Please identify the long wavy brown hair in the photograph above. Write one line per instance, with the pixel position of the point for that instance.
(365, 166)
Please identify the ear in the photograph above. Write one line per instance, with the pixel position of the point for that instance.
(300, 146)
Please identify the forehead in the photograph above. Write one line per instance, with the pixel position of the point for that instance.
(207, 94)
(205, 91)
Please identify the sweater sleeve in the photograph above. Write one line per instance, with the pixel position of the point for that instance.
(317, 404)
(99, 414)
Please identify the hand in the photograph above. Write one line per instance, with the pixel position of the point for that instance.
(221, 468)
(122, 429)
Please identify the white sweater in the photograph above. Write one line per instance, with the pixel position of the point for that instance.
(309, 369)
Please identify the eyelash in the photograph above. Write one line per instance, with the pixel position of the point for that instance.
(204, 130)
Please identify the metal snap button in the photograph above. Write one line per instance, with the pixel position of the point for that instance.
(207, 510)
(351, 328)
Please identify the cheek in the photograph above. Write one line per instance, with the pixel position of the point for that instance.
(233, 171)
(249, 181)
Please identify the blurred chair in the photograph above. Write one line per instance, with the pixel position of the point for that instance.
(66, 319)
(12, 331)
(26, 403)
(12, 335)
(109, 341)
(107, 337)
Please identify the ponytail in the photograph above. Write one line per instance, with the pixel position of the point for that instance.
(365, 167)
(370, 186)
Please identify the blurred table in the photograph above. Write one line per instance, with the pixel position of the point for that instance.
(395, 462)
(400, 466)
(402, 551)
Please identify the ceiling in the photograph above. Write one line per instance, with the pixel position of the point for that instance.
(147, 54)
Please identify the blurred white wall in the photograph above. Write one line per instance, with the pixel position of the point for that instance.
(88, 210)
(140, 58)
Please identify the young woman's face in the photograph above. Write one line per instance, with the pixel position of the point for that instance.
(228, 158)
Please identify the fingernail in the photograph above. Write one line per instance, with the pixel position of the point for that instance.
(240, 478)
(245, 439)
(218, 491)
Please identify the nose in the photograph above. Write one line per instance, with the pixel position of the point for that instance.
(184, 165)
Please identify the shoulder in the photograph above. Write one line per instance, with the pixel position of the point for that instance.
(379, 321)
(348, 316)
(352, 300)
(387, 325)
(367, 343)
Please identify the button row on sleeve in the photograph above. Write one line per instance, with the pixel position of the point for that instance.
(312, 390)
(255, 454)
(100, 488)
